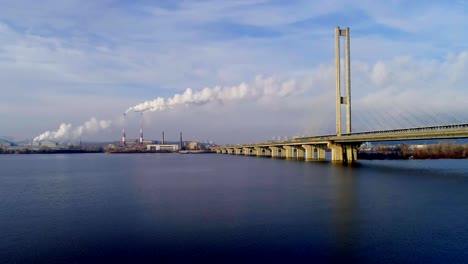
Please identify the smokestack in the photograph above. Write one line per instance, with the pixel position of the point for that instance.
(141, 130)
(122, 143)
(181, 141)
(163, 137)
(141, 136)
(123, 137)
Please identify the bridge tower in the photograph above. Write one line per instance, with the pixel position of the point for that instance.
(346, 100)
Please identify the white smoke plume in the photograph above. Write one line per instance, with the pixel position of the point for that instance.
(261, 87)
(66, 132)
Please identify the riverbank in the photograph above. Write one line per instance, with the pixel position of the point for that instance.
(433, 151)
(50, 151)
(196, 152)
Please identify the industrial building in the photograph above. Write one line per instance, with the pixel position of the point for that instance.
(46, 143)
(162, 147)
(150, 145)
(192, 145)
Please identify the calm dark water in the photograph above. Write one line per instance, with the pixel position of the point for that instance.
(97, 208)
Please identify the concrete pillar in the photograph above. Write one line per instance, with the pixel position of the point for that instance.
(289, 152)
(238, 151)
(259, 152)
(337, 152)
(338, 81)
(321, 152)
(344, 153)
(348, 81)
(346, 100)
(309, 152)
(300, 154)
(262, 152)
(246, 151)
(230, 151)
(351, 153)
(274, 152)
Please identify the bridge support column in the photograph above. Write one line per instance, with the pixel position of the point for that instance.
(230, 151)
(337, 152)
(300, 153)
(344, 153)
(275, 152)
(321, 153)
(247, 151)
(289, 152)
(259, 152)
(262, 152)
(309, 152)
(238, 151)
(351, 153)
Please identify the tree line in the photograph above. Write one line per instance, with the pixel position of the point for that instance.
(403, 151)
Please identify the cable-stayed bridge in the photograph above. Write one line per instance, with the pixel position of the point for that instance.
(344, 144)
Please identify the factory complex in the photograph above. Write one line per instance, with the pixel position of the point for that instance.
(124, 145)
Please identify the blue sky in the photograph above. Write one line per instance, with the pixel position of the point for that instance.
(65, 61)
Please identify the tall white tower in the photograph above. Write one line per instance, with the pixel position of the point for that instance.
(346, 100)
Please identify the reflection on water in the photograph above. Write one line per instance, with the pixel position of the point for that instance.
(345, 214)
(223, 208)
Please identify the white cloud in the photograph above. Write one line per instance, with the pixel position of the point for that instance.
(64, 61)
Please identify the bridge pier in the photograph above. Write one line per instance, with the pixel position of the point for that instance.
(275, 152)
(289, 152)
(321, 153)
(259, 152)
(344, 153)
(247, 151)
(336, 152)
(262, 152)
(351, 153)
(300, 153)
(313, 152)
(238, 151)
(309, 152)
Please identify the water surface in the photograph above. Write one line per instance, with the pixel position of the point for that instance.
(94, 208)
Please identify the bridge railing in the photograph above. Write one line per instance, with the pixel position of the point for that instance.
(414, 129)
(327, 137)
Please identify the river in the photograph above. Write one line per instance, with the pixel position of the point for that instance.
(134, 208)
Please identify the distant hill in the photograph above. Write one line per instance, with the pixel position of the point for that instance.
(7, 139)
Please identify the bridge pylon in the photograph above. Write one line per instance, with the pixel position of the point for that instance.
(346, 100)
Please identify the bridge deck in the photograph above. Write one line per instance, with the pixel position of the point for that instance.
(454, 131)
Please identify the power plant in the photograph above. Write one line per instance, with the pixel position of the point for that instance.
(141, 145)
